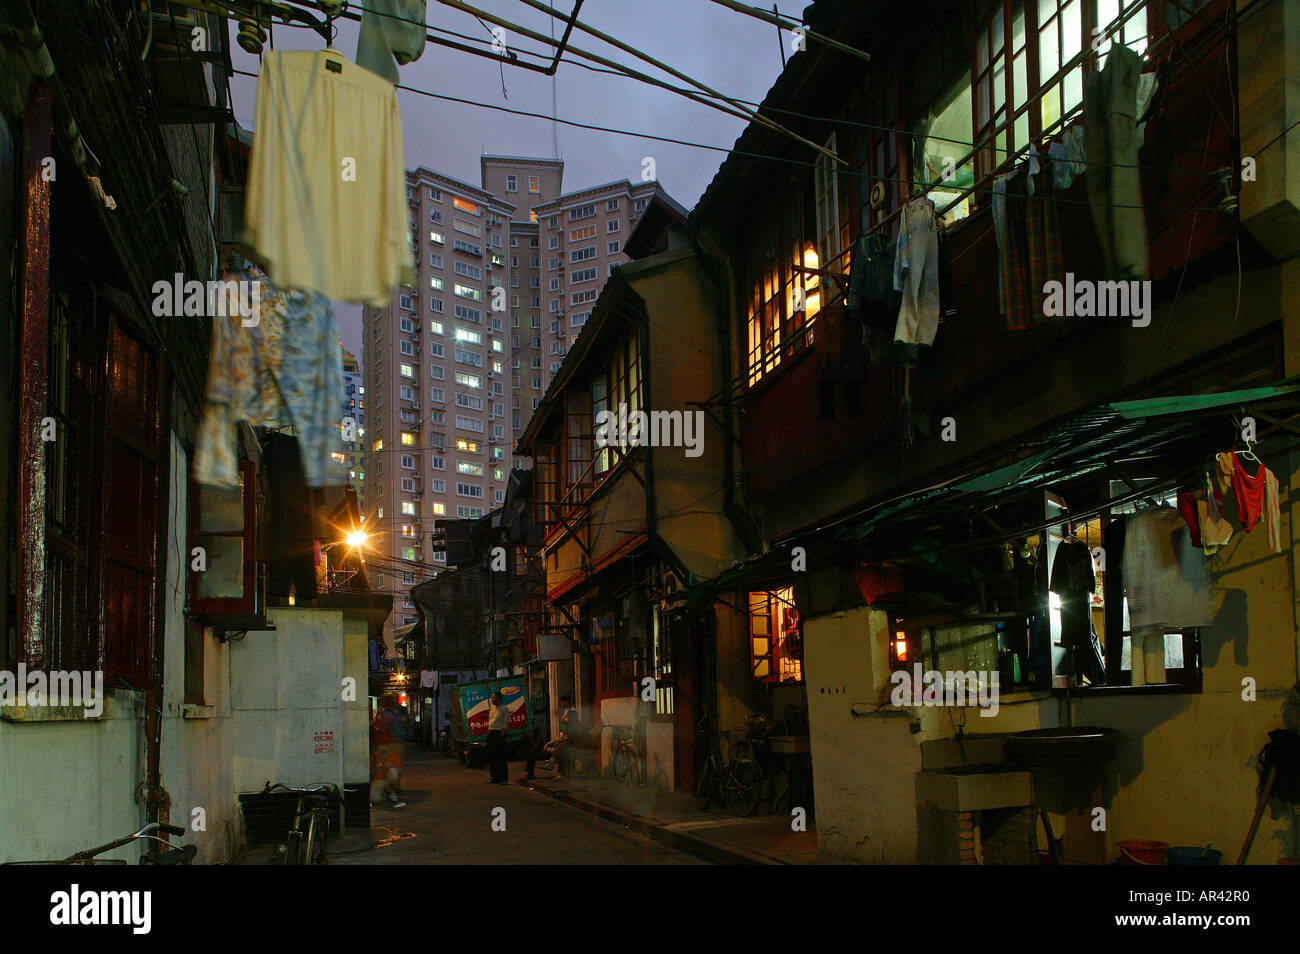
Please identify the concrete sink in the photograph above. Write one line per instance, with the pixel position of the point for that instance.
(973, 788)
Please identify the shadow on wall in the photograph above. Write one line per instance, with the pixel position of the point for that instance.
(1229, 626)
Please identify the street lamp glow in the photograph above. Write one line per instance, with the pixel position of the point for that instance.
(357, 538)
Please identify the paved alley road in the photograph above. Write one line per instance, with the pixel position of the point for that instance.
(448, 820)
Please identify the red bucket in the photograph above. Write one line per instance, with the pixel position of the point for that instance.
(1143, 852)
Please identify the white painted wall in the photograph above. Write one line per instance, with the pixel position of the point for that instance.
(286, 688)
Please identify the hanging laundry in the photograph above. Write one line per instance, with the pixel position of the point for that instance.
(326, 207)
(1110, 112)
(1066, 155)
(1215, 530)
(1250, 490)
(1029, 245)
(1188, 511)
(916, 273)
(1074, 580)
(1225, 464)
(1043, 245)
(391, 30)
(287, 369)
(1166, 580)
(871, 281)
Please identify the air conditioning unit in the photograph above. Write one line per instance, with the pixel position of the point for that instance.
(415, 404)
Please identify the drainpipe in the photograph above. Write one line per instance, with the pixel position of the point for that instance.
(718, 267)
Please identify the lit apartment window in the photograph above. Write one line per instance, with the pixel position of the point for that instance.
(435, 327)
(467, 467)
(378, 445)
(471, 337)
(535, 184)
(468, 380)
(465, 205)
(441, 240)
(408, 438)
(407, 371)
(435, 283)
(468, 446)
(408, 506)
(586, 232)
(439, 510)
(466, 227)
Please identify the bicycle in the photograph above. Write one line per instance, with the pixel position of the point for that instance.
(306, 845)
(168, 855)
(733, 783)
(627, 757)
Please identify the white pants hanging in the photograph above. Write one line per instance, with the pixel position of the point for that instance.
(916, 274)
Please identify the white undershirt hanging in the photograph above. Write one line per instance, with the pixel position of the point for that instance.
(326, 207)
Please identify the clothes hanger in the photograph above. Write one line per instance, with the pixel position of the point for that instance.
(333, 65)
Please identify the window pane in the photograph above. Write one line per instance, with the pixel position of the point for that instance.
(224, 577)
(1071, 31)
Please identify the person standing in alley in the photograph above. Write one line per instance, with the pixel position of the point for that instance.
(498, 722)
(392, 731)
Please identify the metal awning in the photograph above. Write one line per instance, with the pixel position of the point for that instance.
(1169, 437)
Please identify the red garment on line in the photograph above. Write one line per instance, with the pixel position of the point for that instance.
(1187, 507)
(1250, 492)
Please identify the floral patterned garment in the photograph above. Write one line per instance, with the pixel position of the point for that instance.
(286, 369)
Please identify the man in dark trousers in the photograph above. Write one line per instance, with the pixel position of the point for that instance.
(498, 722)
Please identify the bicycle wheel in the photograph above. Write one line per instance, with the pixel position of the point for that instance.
(743, 789)
(317, 829)
(704, 788)
(293, 848)
(622, 765)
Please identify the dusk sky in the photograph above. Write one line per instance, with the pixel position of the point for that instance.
(728, 51)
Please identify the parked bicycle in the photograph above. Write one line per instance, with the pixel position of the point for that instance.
(168, 854)
(626, 755)
(732, 782)
(305, 841)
